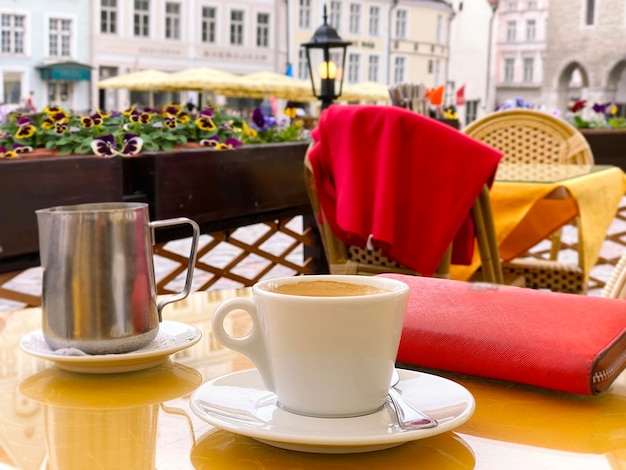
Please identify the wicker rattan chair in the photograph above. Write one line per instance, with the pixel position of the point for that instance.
(529, 136)
(615, 288)
(346, 259)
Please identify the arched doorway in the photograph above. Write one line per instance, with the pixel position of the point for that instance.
(573, 85)
(616, 87)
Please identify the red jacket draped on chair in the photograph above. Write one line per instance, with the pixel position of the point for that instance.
(406, 180)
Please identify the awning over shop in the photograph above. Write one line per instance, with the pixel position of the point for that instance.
(65, 71)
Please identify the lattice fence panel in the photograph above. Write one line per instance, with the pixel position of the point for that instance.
(237, 258)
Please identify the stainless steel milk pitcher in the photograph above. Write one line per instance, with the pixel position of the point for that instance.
(99, 291)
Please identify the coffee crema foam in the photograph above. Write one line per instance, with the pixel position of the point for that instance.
(326, 289)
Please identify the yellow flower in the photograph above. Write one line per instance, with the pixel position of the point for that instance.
(290, 112)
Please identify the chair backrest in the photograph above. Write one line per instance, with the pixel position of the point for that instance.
(615, 287)
(530, 136)
(347, 259)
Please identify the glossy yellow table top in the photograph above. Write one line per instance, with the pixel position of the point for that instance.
(50, 418)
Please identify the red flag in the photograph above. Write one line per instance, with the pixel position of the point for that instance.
(460, 96)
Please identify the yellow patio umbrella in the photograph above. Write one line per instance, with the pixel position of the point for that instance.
(199, 78)
(264, 84)
(365, 91)
(144, 80)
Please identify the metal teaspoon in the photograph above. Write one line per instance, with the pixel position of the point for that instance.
(409, 418)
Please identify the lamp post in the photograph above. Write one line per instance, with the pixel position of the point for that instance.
(322, 69)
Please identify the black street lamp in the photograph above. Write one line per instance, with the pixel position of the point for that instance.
(332, 47)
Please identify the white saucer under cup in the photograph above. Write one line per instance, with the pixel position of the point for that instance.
(240, 403)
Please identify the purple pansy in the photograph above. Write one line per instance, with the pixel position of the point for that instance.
(104, 146)
(131, 145)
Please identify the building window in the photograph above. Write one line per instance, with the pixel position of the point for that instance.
(354, 67)
(511, 27)
(262, 29)
(374, 24)
(304, 14)
(532, 5)
(530, 30)
(509, 64)
(355, 18)
(13, 33)
(335, 15)
(471, 111)
(372, 68)
(303, 65)
(209, 15)
(108, 16)
(590, 12)
(401, 16)
(142, 18)
(172, 20)
(60, 36)
(437, 72)
(236, 27)
(512, 6)
(399, 69)
(529, 66)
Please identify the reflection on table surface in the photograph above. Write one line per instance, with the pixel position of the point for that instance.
(543, 172)
(51, 418)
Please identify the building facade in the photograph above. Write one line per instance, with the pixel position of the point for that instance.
(585, 53)
(471, 58)
(521, 34)
(44, 54)
(60, 50)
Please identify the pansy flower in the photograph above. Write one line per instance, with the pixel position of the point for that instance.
(104, 146)
(258, 118)
(183, 118)
(87, 122)
(232, 143)
(22, 149)
(171, 108)
(600, 108)
(212, 142)
(53, 110)
(207, 112)
(205, 123)
(145, 118)
(248, 131)
(24, 132)
(6, 153)
(131, 145)
(60, 127)
(47, 124)
(97, 119)
(170, 121)
(129, 111)
(578, 105)
(102, 114)
(134, 116)
(290, 112)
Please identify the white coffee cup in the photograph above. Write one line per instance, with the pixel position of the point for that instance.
(326, 356)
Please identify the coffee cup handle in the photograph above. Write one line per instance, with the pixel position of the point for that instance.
(252, 345)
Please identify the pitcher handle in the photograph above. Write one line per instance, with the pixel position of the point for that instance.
(192, 257)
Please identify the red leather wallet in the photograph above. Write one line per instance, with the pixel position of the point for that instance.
(567, 342)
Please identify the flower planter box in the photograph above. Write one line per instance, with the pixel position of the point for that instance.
(29, 184)
(607, 145)
(215, 187)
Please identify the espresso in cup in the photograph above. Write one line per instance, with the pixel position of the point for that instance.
(326, 289)
(325, 345)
